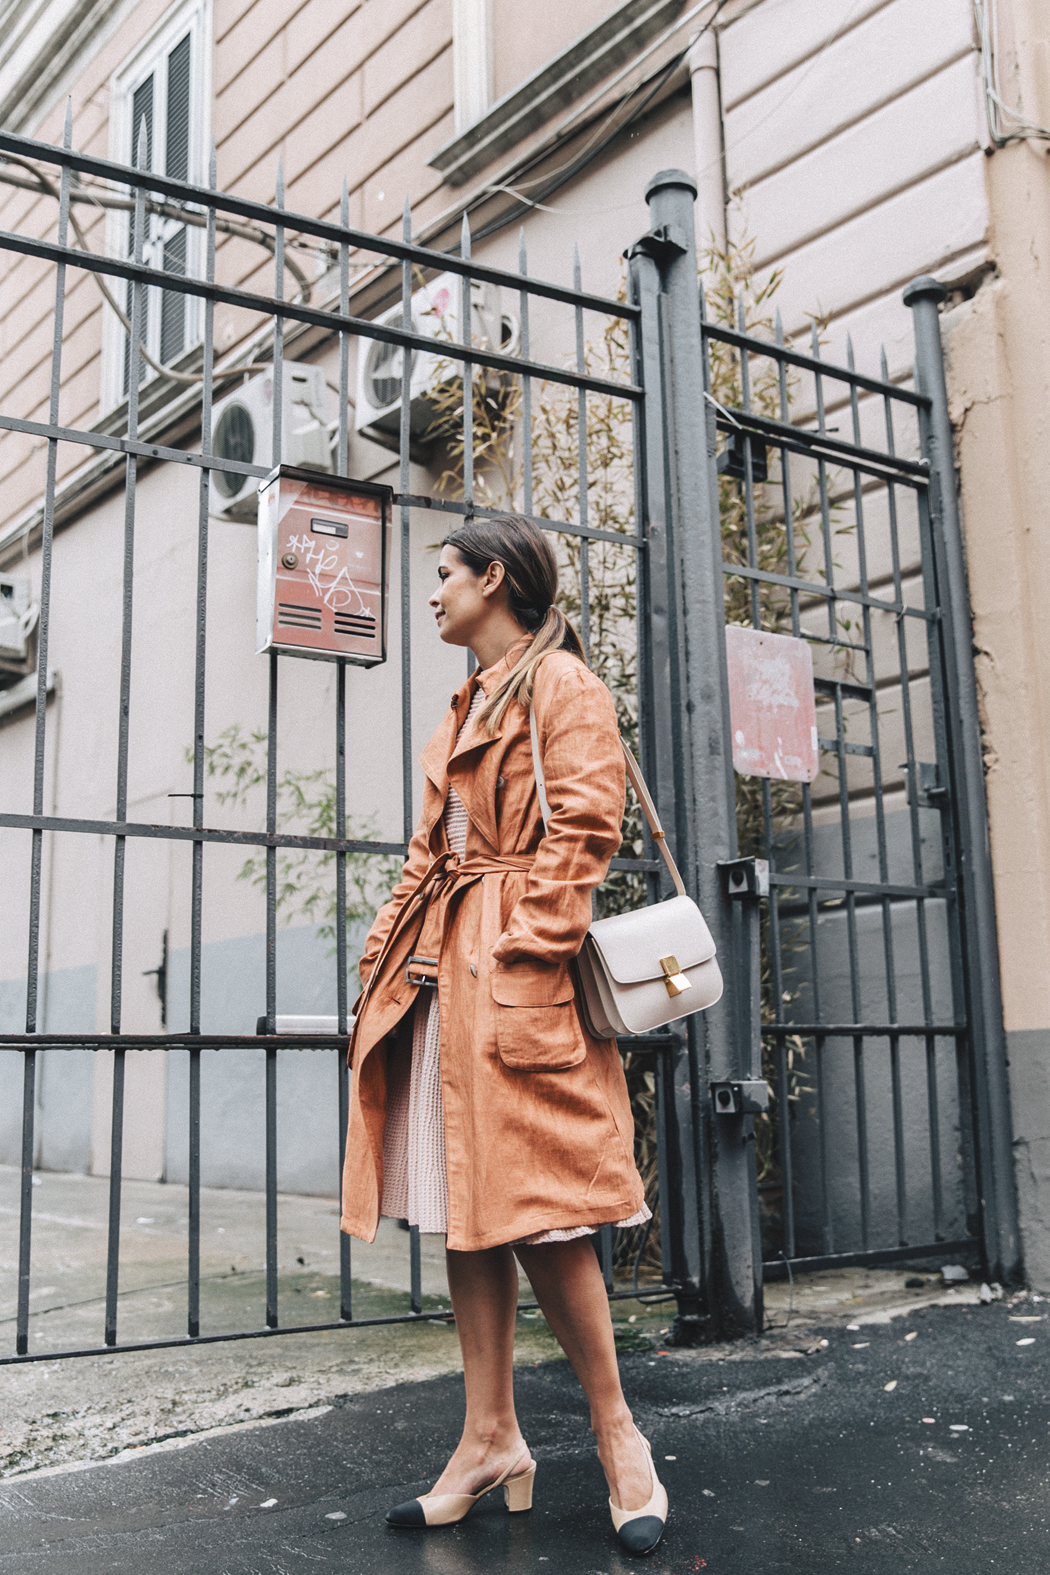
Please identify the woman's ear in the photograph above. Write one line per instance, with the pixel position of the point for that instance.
(493, 578)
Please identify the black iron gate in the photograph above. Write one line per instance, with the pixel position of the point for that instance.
(149, 432)
(857, 910)
(712, 1260)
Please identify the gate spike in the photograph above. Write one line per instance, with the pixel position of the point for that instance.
(406, 221)
(779, 328)
(213, 166)
(279, 187)
(67, 124)
(344, 205)
(523, 262)
(741, 315)
(883, 368)
(577, 276)
(702, 294)
(464, 239)
(849, 353)
(143, 143)
(814, 338)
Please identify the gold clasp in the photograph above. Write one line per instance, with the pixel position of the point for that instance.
(674, 978)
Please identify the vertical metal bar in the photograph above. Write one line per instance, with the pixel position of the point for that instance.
(859, 1079)
(604, 1243)
(25, 1202)
(341, 983)
(822, 482)
(933, 1115)
(404, 483)
(346, 1309)
(25, 1223)
(343, 436)
(705, 827)
(749, 477)
(117, 962)
(581, 463)
(196, 900)
(526, 382)
(685, 1220)
(467, 335)
(880, 822)
(341, 961)
(271, 806)
(116, 1148)
(415, 1269)
(999, 1223)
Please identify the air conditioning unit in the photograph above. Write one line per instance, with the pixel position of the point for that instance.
(242, 429)
(18, 618)
(436, 314)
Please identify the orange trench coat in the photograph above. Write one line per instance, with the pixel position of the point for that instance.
(538, 1125)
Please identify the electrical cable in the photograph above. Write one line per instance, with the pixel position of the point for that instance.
(1005, 124)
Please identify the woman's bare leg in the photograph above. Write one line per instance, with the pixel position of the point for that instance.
(567, 1280)
(484, 1288)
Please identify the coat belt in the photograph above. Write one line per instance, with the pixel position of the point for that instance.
(447, 874)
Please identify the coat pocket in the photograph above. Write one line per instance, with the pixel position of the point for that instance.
(537, 1029)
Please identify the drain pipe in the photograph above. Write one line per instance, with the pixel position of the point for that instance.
(710, 212)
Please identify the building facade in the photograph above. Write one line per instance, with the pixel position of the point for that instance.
(847, 147)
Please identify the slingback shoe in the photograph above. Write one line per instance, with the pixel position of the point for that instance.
(444, 1509)
(640, 1531)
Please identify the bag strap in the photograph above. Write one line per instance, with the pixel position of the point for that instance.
(637, 781)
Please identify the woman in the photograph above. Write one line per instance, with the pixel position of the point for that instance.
(480, 1105)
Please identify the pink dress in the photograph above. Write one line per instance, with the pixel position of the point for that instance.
(415, 1184)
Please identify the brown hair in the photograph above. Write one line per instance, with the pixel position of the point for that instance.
(531, 572)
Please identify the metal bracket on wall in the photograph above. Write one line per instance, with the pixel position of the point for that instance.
(745, 877)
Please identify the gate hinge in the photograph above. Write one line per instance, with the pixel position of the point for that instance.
(745, 877)
(661, 244)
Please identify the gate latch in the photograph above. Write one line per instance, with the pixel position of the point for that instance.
(745, 877)
(925, 787)
(747, 1098)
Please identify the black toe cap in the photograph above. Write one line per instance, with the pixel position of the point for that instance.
(408, 1514)
(641, 1535)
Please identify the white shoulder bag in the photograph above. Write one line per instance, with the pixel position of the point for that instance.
(640, 970)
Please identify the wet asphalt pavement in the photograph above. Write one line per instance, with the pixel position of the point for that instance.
(773, 1462)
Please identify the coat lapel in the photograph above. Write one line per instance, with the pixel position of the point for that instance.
(473, 766)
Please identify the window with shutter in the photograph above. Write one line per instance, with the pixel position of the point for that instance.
(163, 88)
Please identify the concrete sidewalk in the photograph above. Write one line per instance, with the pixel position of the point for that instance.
(852, 1448)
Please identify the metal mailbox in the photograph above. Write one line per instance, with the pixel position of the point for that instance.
(324, 556)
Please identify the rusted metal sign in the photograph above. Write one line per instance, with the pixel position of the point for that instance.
(772, 705)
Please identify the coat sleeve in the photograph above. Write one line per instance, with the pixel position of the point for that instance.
(415, 867)
(584, 770)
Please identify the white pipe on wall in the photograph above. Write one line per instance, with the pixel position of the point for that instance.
(471, 60)
(710, 211)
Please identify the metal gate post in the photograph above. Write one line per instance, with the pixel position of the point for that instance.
(689, 721)
(994, 1145)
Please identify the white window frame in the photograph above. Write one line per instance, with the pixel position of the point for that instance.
(150, 56)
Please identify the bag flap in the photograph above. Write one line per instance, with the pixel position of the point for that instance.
(532, 984)
(632, 944)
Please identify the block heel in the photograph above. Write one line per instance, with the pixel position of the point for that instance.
(517, 1491)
